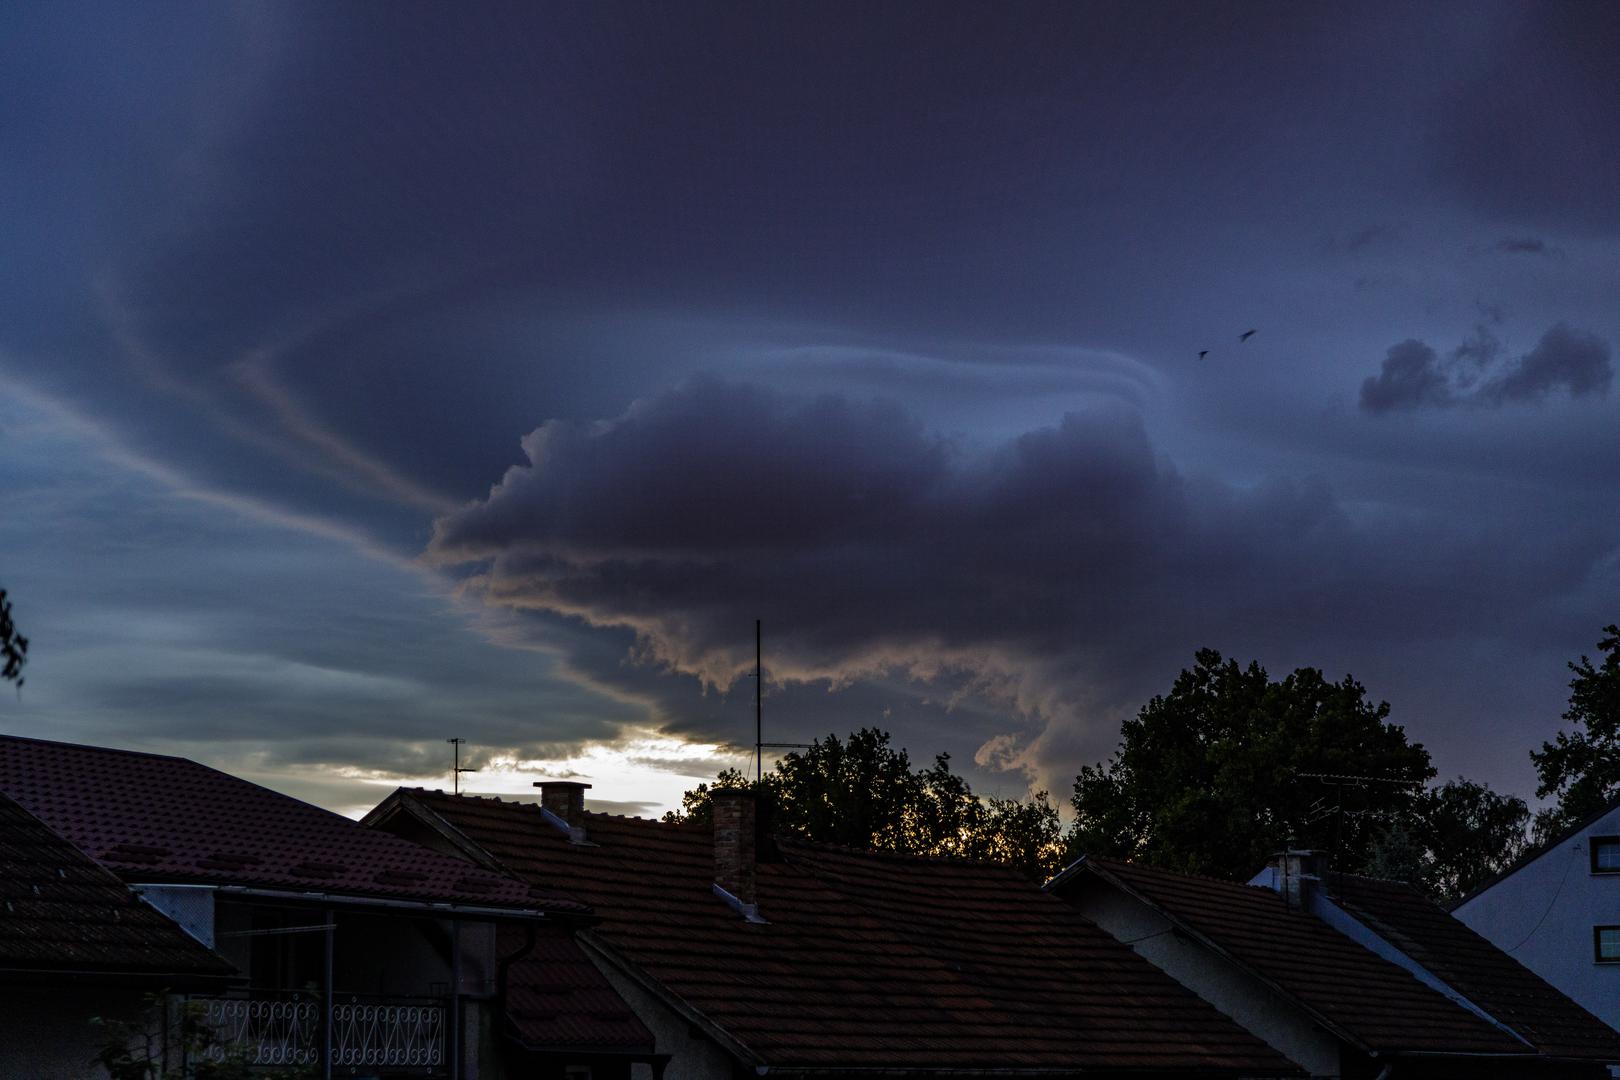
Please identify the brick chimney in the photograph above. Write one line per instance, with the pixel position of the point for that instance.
(1297, 874)
(734, 823)
(562, 802)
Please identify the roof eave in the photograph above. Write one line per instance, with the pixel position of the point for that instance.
(1185, 928)
(736, 1047)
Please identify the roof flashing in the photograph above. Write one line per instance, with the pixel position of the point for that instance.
(750, 912)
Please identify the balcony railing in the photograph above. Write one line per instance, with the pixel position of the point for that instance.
(368, 1033)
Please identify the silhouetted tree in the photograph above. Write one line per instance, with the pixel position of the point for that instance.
(1582, 767)
(13, 646)
(1466, 832)
(863, 792)
(1210, 778)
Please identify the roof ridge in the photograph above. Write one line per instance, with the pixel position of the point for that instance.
(104, 749)
(180, 759)
(1108, 860)
(898, 856)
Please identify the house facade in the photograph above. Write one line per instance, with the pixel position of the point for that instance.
(334, 950)
(1347, 976)
(1557, 912)
(81, 958)
(748, 956)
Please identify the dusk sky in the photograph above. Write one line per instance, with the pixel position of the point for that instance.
(374, 374)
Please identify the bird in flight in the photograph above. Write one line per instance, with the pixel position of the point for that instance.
(1246, 335)
(1202, 353)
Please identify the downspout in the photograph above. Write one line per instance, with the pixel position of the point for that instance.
(503, 965)
(455, 999)
(326, 1023)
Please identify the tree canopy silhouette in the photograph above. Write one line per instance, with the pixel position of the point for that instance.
(1582, 767)
(1222, 771)
(13, 646)
(862, 792)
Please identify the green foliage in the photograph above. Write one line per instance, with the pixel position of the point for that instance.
(1209, 778)
(1458, 835)
(13, 646)
(1582, 767)
(862, 792)
(134, 1049)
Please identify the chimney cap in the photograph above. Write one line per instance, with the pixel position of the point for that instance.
(560, 784)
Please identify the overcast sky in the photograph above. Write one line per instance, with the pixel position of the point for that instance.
(375, 374)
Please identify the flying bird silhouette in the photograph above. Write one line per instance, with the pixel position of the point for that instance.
(1246, 335)
(1202, 353)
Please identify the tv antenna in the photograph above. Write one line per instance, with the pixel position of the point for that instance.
(456, 770)
(760, 745)
(1338, 782)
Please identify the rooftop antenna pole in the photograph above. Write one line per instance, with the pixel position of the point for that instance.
(759, 712)
(456, 770)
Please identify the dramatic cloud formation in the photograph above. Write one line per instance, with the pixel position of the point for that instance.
(1049, 572)
(1413, 374)
(290, 282)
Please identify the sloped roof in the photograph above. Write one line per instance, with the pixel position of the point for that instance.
(1477, 969)
(1367, 999)
(61, 912)
(558, 1000)
(158, 819)
(867, 961)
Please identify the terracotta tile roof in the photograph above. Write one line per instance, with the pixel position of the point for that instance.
(1477, 969)
(61, 912)
(868, 962)
(1371, 1001)
(557, 1000)
(152, 818)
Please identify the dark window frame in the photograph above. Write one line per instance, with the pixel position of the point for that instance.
(1592, 844)
(1597, 945)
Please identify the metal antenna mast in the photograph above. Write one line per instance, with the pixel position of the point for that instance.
(759, 706)
(456, 770)
(760, 745)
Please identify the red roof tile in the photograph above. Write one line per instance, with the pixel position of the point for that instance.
(868, 961)
(1477, 969)
(557, 1000)
(157, 819)
(61, 912)
(1372, 1001)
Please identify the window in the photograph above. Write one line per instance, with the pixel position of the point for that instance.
(1606, 944)
(1605, 854)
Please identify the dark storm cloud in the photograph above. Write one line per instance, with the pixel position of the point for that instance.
(1046, 572)
(1525, 245)
(1563, 359)
(1414, 376)
(1411, 376)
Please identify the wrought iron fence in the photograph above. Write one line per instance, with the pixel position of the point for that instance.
(268, 1029)
(391, 1033)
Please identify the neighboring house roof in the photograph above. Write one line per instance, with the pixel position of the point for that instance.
(62, 913)
(1364, 998)
(167, 820)
(1475, 968)
(557, 1000)
(865, 961)
(1368, 1000)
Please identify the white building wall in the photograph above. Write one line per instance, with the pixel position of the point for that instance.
(693, 1056)
(1542, 915)
(1247, 1000)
